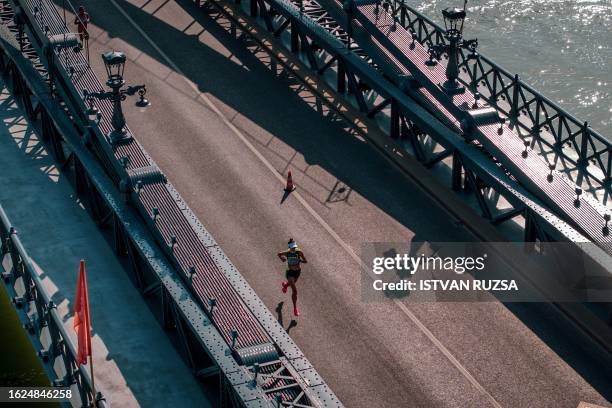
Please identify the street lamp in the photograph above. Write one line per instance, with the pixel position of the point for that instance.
(114, 63)
(453, 24)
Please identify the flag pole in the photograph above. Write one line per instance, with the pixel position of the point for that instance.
(93, 385)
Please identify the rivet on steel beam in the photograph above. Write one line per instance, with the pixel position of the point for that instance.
(526, 151)
(476, 99)
(606, 230)
(577, 199)
(551, 167)
(234, 334)
(192, 272)
(256, 370)
(279, 400)
(502, 122)
(155, 213)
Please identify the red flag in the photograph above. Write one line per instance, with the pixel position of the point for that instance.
(82, 325)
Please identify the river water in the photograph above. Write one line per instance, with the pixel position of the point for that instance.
(19, 364)
(562, 48)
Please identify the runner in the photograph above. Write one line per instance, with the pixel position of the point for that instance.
(81, 20)
(294, 257)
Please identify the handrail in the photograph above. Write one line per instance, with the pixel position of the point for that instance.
(535, 114)
(43, 314)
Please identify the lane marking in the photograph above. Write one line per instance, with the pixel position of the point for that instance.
(310, 210)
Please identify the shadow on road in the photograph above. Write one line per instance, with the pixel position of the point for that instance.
(279, 313)
(285, 196)
(250, 88)
(292, 324)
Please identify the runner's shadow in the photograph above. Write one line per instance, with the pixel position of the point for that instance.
(285, 195)
(279, 314)
(291, 325)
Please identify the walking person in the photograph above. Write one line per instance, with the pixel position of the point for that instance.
(81, 20)
(294, 257)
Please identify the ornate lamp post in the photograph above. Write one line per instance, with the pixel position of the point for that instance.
(114, 63)
(453, 23)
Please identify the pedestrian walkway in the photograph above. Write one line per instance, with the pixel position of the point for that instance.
(136, 363)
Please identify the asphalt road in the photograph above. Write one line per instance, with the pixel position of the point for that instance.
(372, 354)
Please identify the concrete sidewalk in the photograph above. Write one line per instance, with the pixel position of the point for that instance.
(136, 364)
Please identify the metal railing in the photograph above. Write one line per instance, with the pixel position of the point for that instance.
(146, 264)
(42, 10)
(553, 130)
(40, 319)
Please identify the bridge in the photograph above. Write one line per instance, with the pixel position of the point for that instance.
(50, 250)
(210, 160)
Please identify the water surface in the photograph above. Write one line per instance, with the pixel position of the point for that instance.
(562, 48)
